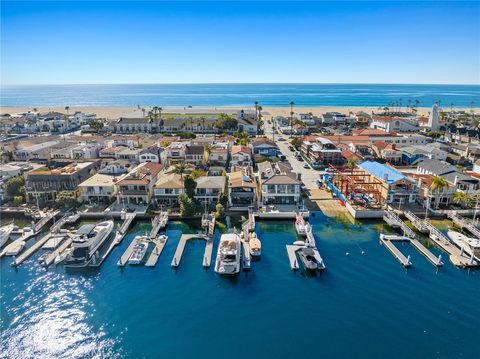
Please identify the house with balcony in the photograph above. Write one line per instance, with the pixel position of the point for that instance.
(387, 151)
(111, 152)
(247, 122)
(175, 153)
(43, 184)
(40, 152)
(210, 188)
(137, 186)
(168, 188)
(411, 155)
(395, 187)
(133, 125)
(322, 152)
(241, 156)
(279, 185)
(114, 167)
(242, 188)
(98, 188)
(265, 147)
(218, 154)
(195, 155)
(429, 194)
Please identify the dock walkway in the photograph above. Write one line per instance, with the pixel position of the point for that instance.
(159, 243)
(126, 255)
(158, 223)
(464, 223)
(395, 251)
(418, 223)
(395, 221)
(55, 253)
(29, 251)
(246, 255)
(292, 256)
(44, 220)
(177, 257)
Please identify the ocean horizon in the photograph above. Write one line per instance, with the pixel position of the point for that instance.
(234, 95)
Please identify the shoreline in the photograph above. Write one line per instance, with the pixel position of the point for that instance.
(133, 111)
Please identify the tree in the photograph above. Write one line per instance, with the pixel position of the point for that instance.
(351, 163)
(226, 122)
(219, 211)
(66, 199)
(460, 167)
(187, 206)
(15, 186)
(96, 125)
(223, 200)
(242, 137)
(197, 173)
(190, 185)
(462, 199)
(180, 169)
(291, 117)
(296, 142)
(438, 184)
(17, 200)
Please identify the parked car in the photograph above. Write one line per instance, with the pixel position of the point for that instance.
(306, 166)
(291, 148)
(281, 139)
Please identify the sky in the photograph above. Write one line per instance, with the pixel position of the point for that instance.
(239, 42)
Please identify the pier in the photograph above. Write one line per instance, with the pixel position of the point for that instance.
(31, 250)
(419, 224)
(158, 223)
(67, 218)
(46, 217)
(464, 223)
(246, 255)
(436, 261)
(177, 257)
(126, 255)
(159, 243)
(387, 242)
(55, 253)
(292, 256)
(392, 219)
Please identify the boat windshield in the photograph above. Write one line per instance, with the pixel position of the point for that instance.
(230, 258)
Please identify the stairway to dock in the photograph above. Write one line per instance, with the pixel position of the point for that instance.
(464, 223)
(392, 219)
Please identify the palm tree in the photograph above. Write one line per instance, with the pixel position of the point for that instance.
(67, 108)
(180, 169)
(35, 109)
(143, 111)
(256, 110)
(203, 124)
(438, 183)
(462, 198)
(351, 163)
(291, 117)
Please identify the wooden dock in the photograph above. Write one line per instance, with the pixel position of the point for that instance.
(246, 255)
(31, 250)
(159, 243)
(177, 257)
(395, 251)
(55, 253)
(419, 224)
(44, 220)
(158, 223)
(292, 256)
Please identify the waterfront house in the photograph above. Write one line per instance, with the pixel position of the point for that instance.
(265, 147)
(136, 187)
(396, 188)
(241, 156)
(98, 188)
(278, 184)
(242, 188)
(43, 184)
(210, 188)
(431, 195)
(167, 189)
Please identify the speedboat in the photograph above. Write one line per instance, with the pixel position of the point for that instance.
(228, 254)
(5, 232)
(307, 256)
(300, 225)
(469, 245)
(86, 243)
(139, 250)
(255, 245)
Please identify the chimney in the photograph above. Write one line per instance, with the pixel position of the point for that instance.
(455, 181)
(299, 176)
(419, 182)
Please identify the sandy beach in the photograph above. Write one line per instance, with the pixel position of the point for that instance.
(114, 112)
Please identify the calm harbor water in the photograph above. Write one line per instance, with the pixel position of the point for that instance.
(362, 306)
(238, 95)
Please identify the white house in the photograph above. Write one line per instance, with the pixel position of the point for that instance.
(98, 188)
(395, 124)
(241, 156)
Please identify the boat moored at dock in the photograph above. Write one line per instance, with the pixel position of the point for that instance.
(5, 232)
(139, 250)
(469, 245)
(300, 225)
(228, 254)
(255, 245)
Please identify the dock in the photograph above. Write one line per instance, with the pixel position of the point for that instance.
(436, 261)
(159, 222)
(55, 253)
(419, 224)
(292, 256)
(207, 257)
(159, 243)
(392, 219)
(44, 220)
(464, 223)
(126, 255)
(246, 258)
(31, 250)
(67, 218)
(127, 221)
(177, 257)
(405, 261)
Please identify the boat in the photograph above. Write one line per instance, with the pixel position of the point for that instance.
(255, 245)
(42, 259)
(5, 232)
(86, 243)
(14, 248)
(300, 225)
(469, 245)
(62, 256)
(139, 250)
(228, 254)
(307, 256)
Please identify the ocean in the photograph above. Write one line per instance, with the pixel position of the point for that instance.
(361, 306)
(239, 95)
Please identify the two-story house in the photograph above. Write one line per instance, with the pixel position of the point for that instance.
(168, 188)
(136, 187)
(278, 185)
(241, 156)
(210, 188)
(98, 188)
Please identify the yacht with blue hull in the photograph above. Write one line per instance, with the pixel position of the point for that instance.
(87, 242)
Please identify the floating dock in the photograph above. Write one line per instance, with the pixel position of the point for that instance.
(159, 243)
(31, 250)
(158, 223)
(67, 218)
(419, 224)
(395, 251)
(246, 255)
(177, 257)
(292, 256)
(55, 253)
(436, 261)
(464, 223)
(207, 257)
(44, 220)
(126, 255)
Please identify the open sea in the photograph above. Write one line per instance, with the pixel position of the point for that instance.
(361, 306)
(238, 95)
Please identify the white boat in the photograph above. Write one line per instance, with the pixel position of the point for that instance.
(300, 225)
(228, 254)
(86, 242)
(14, 248)
(139, 250)
(255, 245)
(469, 245)
(5, 232)
(62, 256)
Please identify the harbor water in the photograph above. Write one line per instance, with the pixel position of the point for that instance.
(362, 306)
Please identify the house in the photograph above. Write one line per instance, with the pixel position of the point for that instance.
(148, 156)
(322, 152)
(133, 125)
(450, 173)
(195, 155)
(110, 152)
(351, 156)
(175, 153)
(387, 151)
(14, 169)
(78, 152)
(98, 188)
(168, 188)
(129, 154)
(43, 184)
(396, 188)
(218, 154)
(265, 147)
(38, 152)
(241, 156)
(242, 188)
(136, 187)
(278, 185)
(395, 124)
(210, 188)
(114, 167)
(429, 194)
(411, 155)
(300, 130)
(247, 122)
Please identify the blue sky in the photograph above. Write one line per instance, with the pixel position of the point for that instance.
(215, 42)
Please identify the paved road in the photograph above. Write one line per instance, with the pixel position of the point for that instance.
(309, 176)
